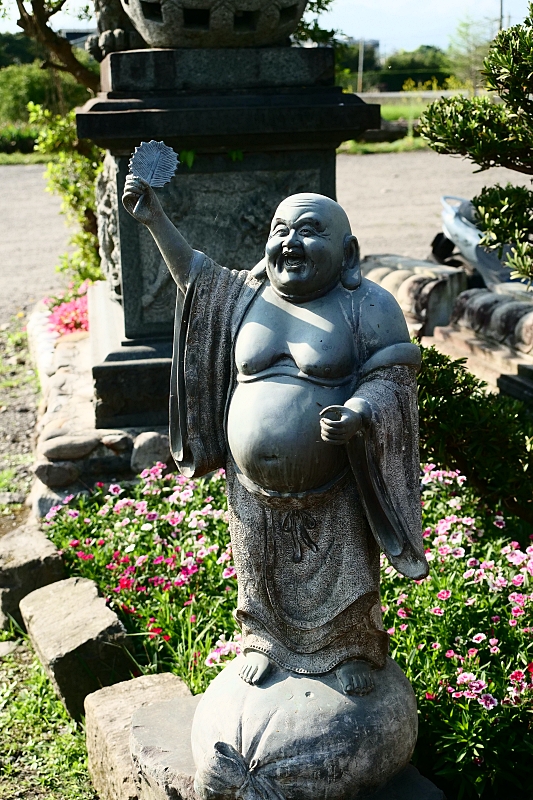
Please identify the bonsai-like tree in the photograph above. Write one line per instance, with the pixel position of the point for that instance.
(496, 133)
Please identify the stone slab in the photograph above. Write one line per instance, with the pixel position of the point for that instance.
(157, 71)
(81, 642)
(162, 754)
(161, 749)
(28, 561)
(108, 715)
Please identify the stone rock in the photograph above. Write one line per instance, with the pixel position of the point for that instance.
(108, 715)
(28, 561)
(161, 749)
(148, 449)
(118, 442)
(56, 473)
(408, 785)
(306, 738)
(80, 641)
(6, 648)
(54, 428)
(69, 447)
(11, 497)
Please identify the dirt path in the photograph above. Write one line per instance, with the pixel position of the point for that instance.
(393, 200)
(33, 236)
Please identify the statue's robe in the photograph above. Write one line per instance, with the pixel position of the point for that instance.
(307, 566)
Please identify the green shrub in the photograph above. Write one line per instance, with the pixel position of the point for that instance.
(17, 138)
(160, 553)
(489, 437)
(21, 84)
(72, 175)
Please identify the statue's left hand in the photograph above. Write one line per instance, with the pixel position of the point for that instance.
(338, 424)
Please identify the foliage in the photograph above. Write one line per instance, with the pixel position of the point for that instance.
(406, 145)
(423, 64)
(71, 315)
(17, 138)
(505, 214)
(24, 83)
(309, 30)
(43, 750)
(73, 177)
(16, 48)
(34, 18)
(489, 437)
(464, 638)
(468, 49)
(23, 158)
(159, 552)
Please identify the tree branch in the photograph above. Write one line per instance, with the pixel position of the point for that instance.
(35, 25)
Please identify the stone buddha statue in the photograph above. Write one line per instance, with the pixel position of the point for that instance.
(298, 378)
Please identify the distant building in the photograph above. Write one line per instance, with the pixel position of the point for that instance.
(77, 38)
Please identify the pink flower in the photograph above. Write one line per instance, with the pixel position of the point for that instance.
(499, 522)
(468, 574)
(477, 686)
(478, 638)
(472, 562)
(403, 626)
(487, 701)
(444, 550)
(450, 653)
(152, 515)
(402, 613)
(437, 611)
(193, 618)
(513, 623)
(495, 619)
(430, 696)
(435, 646)
(493, 642)
(391, 631)
(229, 572)
(140, 561)
(457, 695)
(114, 488)
(517, 676)
(73, 513)
(494, 650)
(84, 556)
(465, 677)
(517, 611)
(472, 652)
(518, 580)
(444, 594)
(74, 543)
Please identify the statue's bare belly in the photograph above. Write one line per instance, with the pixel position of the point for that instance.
(292, 361)
(273, 433)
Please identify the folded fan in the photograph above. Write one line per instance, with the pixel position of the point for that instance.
(154, 162)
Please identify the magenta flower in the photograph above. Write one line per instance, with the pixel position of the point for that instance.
(437, 611)
(229, 572)
(478, 638)
(444, 594)
(450, 653)
(487, 701)
(115, 488)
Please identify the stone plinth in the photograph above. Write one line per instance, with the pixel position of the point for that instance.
(252, 125)
(108, 715)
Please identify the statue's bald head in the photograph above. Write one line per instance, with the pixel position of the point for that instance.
(310, 246)
(333, 215)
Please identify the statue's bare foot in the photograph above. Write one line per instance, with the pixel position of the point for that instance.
(355, 677)
(255, 668)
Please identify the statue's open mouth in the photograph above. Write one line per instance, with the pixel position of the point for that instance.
(293, 262)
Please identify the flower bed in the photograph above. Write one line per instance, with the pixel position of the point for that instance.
(159, 550)
(69, 311)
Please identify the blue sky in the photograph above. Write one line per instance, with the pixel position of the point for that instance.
(398, 24)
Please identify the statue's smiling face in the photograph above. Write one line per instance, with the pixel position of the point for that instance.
(305, 249)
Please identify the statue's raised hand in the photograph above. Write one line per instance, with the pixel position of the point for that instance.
(338, 424)
(140, 200)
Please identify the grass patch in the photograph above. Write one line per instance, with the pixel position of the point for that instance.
(25, 158)
(43, 750)
(405, 110)
(408, 144)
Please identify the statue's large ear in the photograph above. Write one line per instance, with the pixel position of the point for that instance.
(351, 265)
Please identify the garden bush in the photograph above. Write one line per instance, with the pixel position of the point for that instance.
(160, 553)
(488, 436)
(21, 84)
(72, 175)
(17, 138)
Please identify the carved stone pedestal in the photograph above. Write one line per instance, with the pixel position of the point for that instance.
(252, 125)
(315, 737)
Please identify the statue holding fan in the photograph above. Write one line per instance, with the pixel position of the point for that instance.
(298, 378)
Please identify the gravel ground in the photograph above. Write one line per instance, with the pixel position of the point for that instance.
(34, 235)
(393, 199)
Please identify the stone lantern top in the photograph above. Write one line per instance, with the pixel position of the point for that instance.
(214, 23)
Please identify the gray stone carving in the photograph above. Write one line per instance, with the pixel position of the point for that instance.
(214, 23)
(107, 216)
(298, 378)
